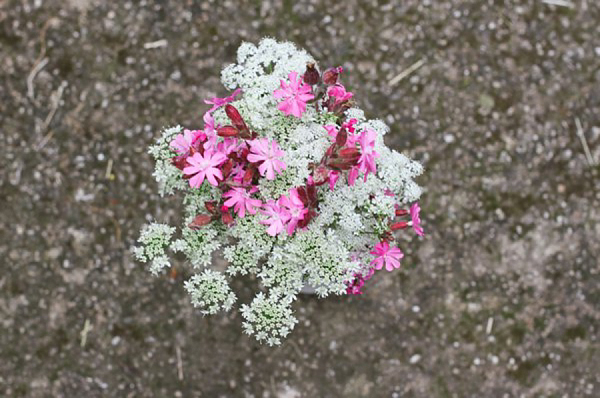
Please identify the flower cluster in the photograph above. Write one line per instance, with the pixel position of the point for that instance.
(293, 182)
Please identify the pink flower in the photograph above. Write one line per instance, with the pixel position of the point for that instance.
(227, 146)
(219, 102)
(277, 217)
(366, 162)
(295, 209)
(339, 92)
(269, 155)
(204, 166)
(416, 220)
(240, 200)
(296, 95)
(333, 177)
(390, 257)
(182, 142)
(352, 175)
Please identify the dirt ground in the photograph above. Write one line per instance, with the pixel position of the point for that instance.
(501, 299)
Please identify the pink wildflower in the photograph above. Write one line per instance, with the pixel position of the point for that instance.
(278, 216)
(240, 200)
(390, 257)
(333, 177)
(219, 102)
(352, 175)
(269, 155)
(204, 166)
(416, 220)
(296, 95)
(295, 209)
(366, 162)
(182, 142)
(339, 92)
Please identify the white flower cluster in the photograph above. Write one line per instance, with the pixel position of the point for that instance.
(210, 292)
(329, 250)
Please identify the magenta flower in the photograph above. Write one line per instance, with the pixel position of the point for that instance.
(416, 220)
(295, 209)
(204, 166)
(227, 146)
(182, 142)
(219, 102)
(269, 154)
(352, 175)
(339, 92)
(366, 162)
(333, 178)
(296, 95)
(240, 200)
(277, 217)
(390, 257)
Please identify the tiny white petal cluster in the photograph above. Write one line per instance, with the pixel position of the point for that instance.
(268, 318)
(154, 239)
(210, 292)
(330, 250)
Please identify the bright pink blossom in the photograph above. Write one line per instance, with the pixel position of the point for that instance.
(333, 177)
(390, 257)
(295, 209)
(416, 220)
(339, 92)
(219, 102)
(240, 200)
(352, 175)
(204, 166)
(366, 162)
(278, 216)
(269, 155)
(182, 142)
(296, 95)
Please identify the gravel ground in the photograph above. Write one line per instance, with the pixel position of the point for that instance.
(500, 300)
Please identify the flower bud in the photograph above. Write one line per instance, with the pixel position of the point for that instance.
(401, 212)
(179, 161)
(211, 206)
(227, 166)
(227, 218)
(199, 221)
(311, 75)
(398, 225)
(235, 117)
(331, 75)
(227, 131)
(341, 137)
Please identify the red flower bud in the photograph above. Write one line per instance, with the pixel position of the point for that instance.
(248, 175)
(211, 206)
(179, 161)
(341, 137)
(311, 190)
(199, 221)
(401, 212)
(398, 225)
(303, 195)
(227, 218)
(331, 75)
(236, 118)
(227, 131)
(311, 75)
(349, 153)
(227, 166)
